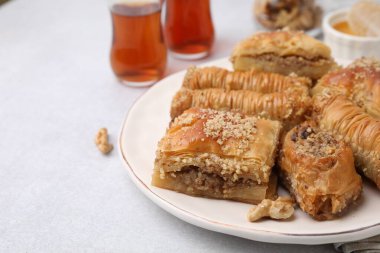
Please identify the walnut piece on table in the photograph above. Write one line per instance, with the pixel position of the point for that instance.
(279, 209)
(101, 141)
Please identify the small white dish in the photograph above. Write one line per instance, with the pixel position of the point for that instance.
(344, 46)
(145, 125)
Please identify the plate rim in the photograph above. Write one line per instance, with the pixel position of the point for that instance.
(205, 223)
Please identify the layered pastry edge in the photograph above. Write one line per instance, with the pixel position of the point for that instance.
(216, 154)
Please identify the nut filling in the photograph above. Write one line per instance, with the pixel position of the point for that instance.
(310, 141)
(319, 171)
(293, 60)
(193, 177)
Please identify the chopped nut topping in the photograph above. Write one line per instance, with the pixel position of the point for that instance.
(184, 119)
(294, 137)
(279, 209)
(224, 125)
(101, 141)
(366, 63)
(314, 142)
(305, 133)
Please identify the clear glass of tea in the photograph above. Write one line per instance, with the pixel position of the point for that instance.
(189, 30)
(138, 53)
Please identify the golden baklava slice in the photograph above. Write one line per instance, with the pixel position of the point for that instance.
(218, 154)
(283, 52)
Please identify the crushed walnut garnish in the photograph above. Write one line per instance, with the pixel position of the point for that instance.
(101, 141)
(279, 209)
(193, 177)
(222, 126)
(366, 63)
(184, 119)
(311, 141)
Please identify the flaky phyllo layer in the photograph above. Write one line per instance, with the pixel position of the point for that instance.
(359, 82)
(231, 150)
(340, 116)
(288, 106)
(263, 82)
(283, 52)
(318, 169)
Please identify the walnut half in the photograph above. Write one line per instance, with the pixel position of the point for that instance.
(279, 209)
(101, 141)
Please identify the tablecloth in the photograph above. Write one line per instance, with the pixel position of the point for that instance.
(57, 192)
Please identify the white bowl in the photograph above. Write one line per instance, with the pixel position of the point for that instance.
(344, 46)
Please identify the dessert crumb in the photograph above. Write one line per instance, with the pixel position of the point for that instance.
(279, 209)
(101, 141)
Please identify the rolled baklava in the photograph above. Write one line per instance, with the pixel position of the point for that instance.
(318, 170)
(214, 77)
(263, 82)
(289, 106)
(218, 154)
(283, 52)
(359, 82)
(343, 118)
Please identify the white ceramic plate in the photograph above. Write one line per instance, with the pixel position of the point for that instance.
(145, 124)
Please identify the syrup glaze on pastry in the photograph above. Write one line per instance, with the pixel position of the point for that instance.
(341, 117)
(288, 107)
(218, 155)
(359, 81)
(214, 77)
(283, 52)
(319, 171)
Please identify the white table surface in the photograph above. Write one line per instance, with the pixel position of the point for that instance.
(57, 192)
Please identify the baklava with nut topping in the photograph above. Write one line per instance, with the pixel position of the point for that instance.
(359, 82)
(318, 169)
(283, 52)
(218, 154)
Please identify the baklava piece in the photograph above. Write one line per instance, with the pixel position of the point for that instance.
(319, 171)
(359, 82)
(293, 14)
(283, 52)
(340, 116)
(220, 155)
(214, 77)
(289, 106)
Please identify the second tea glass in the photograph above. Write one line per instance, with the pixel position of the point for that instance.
(189, 30)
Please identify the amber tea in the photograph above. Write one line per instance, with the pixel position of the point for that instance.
(189, 30)
(138, 53)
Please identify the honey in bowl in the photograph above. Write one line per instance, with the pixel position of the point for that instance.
(344, 27)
